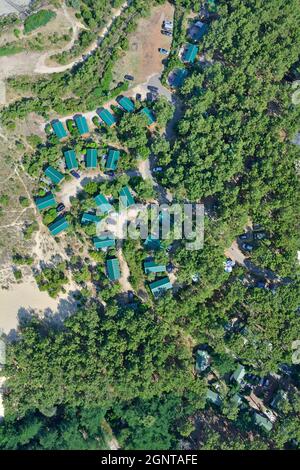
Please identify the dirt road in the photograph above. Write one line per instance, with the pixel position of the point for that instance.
(41, 66)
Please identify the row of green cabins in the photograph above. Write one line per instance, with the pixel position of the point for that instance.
(106, 117)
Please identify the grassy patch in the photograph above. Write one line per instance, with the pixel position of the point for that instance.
(10, 49)
(36, 20)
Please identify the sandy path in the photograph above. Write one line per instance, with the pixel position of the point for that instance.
(41, 66)
(125, 273)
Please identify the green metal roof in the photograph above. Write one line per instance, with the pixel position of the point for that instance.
(263, 422)
(149, 114)
(45, 202)
(87, 217)
(81, 124)
(126, 197)
(100, 243)
(58, 226)
(112, 159)
(59, 129)
(106, 117)
(158, 287)
(91, 158)
(71, 160)
(152, 244)
(55, 176)
(103, 203)
(152, 267)
(239, 373)
(113, 269)
(213, 397)
(126, 104)
(190, 52)
(180, 75)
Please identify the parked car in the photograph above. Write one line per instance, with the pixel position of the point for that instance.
(244, 236)
(259, 236)
(138, 97)
(153, 88)
(129, 77)
(130, 296)
(157, 169)
(75, 174)
(170, 268)
(163, 51)
(247, 247)
(166, 32)
(167, 24)
(60, 207)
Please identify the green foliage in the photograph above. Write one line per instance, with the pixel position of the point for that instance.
(36, 20)
(52, 279)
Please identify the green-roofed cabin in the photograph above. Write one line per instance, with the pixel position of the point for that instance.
(89, 218)
(126, 104)
(190, 53)
(91, 158)
(239, 373)
(101, 243)
(149, 115)
(59, 129)
(106, 117)
(45, 202)
(54, 175)
(152, 267)
(112, 159)
(81, 124)
(71, 160)
(113, 269)
(160, 286)
(58, 226)
(103, 204)
(263, 422)
(179, 77)
(213, 397)
(126, 197)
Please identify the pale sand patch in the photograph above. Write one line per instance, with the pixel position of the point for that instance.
(25, 297)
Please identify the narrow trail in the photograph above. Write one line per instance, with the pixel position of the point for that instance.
(41, 66)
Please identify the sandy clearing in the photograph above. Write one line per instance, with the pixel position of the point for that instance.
(25, 297)
(143, 58)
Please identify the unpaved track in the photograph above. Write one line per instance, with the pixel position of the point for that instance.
(41, 66)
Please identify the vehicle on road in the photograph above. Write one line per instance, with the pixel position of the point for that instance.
(153, 88)
(157, 169)
(247, 247)
(163, 51)
(75, 174)
(60, 207)
(129, 77)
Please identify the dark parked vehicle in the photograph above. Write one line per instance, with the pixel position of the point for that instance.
(244, 236)
(60, 207)
(166, 32)
(247, 247)
(75, 174)
(128, 77)
(138, 96)
(153, 88)
(130, 296)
